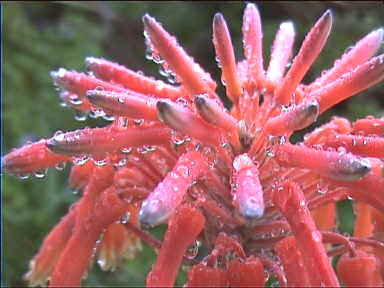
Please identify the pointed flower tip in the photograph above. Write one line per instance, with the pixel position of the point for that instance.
(328, 15)
(327, 18)
(163, 108)
(93, 96)
(252, 6)
(218, 19)
(288, 27)
(200, 102)
(148, 21)
(379, 33)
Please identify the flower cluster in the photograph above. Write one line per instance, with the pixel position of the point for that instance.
(229, 180)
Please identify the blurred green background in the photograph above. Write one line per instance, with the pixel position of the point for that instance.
(40, 37)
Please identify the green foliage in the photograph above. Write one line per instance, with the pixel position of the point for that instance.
(40, 37)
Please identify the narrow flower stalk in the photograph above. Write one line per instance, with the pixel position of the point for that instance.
(292, 204)
(183, 229)
(41, 266)
(325, 216)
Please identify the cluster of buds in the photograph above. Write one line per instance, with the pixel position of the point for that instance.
(228, 180)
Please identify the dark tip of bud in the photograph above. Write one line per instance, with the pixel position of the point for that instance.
(152, 213)
(51, 144)
(162, 109)
(327, 18)
(251, 210)
(313, 108)
(200, 102)
(353, 170)
(92, 96)
(218, 19)
(148, 20)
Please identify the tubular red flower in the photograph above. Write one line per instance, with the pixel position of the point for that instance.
(292, 203)
(184, 227)
(228, 180)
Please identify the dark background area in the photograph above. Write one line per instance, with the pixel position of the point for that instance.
(43, 36)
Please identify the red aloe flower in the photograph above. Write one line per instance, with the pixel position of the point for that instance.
(230, 180)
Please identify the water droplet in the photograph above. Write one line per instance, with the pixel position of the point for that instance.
(80, 116)
(121, 163)
(269, 153)
(193, 250)
(125, 218)
(40, 174)
(81, 160)
(76, 101)
(100, 163)
(108, 117)
(138, 122)
(23, 176)
(60, 166)
(126, 150)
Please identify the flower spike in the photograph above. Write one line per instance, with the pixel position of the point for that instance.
(129, 104)
(226, 58)
(230, 181)
(350, 83)
(135, 81)
(281, 52)
(253, 44)
(310, 49)
(360, 53)
(88, 141)
(184, 228)
(192, 76)
(345, 167)
(163, 201)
